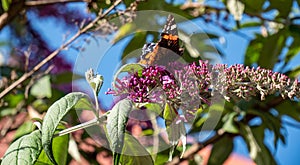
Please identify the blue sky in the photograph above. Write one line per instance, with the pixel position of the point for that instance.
(234, 49)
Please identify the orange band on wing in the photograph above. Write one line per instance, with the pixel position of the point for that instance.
(170, 37)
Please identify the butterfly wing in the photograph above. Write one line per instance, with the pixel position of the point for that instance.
(160, 54)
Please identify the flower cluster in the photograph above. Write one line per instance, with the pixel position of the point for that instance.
(194, 84)
(149, 86)
(244, 82)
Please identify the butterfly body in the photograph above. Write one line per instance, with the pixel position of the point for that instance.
(167, 49)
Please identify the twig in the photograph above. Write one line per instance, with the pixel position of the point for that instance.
(55, 53)
(195, 148)
(87, 124)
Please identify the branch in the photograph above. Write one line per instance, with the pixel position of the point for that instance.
(49, 2)
(11, 13)
(195, 148)
(17, 7)
(55, 53)
(197, 5)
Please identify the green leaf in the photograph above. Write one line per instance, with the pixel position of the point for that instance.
(250, 24)
(176, 132)
(42, 88)
(60, 146)
(128, 68)
(294, 73)
(134, 152)
(117, 119)
(175, 128)
(155, 108)
(298, 1)
(8, 111)
(255, 7)
(221, 150)
(272, 48)
(24, 129)
(134, 46)
(65, 77)
(254, 138)
(13, 99)
(253, 50)
(124, 31)
(158, 5)
(53, 116)
(84, 104)
(40, 105)
(265, 51)
(24, 151)
(170, 114)
(290, 109)
(271, 122)
(294, 48)
(5, 4)
(229, 123)
(284, 7)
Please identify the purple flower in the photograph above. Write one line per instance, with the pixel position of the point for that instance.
(149, 86)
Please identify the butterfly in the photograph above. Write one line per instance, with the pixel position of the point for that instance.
(167, 49)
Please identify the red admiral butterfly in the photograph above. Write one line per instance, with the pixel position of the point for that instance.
(159, 53)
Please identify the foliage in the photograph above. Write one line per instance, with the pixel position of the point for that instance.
(274, 45)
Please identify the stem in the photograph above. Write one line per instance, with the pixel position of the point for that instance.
(57, 51)
(97, 104)
(155, 134)
(95, 121)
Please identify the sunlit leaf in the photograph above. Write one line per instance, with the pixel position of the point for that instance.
(128, 68)
(5, 4)
(42, 88)
(124, 31)
(116, 125)
(134, 152)
(24, 151)
(52, 118)
(24, 129)
(250, 25)
(229, 123)
(155, 108)
(60, 150)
